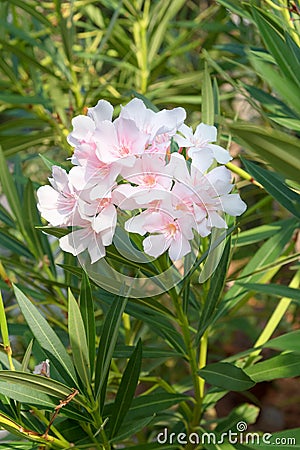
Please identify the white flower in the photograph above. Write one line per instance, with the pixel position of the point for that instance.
(199, 146)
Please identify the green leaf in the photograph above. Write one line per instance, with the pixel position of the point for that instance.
(277, 46)
(108, 341)
(54, 231)
(277, 148)
(11, 243)
(19, 445)
(145, 100)
(66, 27)
(273, 289)
(16, 143)
(148, 405)
(226, 376)
(28, 395)
(9, 189)
(78, 342)
(33, 12)
(207, 113)
(50, 162)
(27, 356)
(5, 217)
(46, 337)
(129, 429)
(282, 366)
(272, 104)
(287, 122)
(86, 304)
(268, 253)
(279, 190)
(287, 342)
(38, 383)
(5, 364)
(237, 7)
(159, 323)
(217, 283)
(257, 234)
(24, 99)
(246, 412)
(158, 36)
(26, 57)
(126, 390)
(124, 351)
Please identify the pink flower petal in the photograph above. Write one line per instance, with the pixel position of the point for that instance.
(155, 245)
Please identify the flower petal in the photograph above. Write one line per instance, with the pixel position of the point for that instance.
(233, 204)
(76, 242)
(202, 158)
(96, 248)
(179, 248)
(83, 126)
(102, 111)
(206, 133)
(136, 224)
(155, 245)
(220, 154)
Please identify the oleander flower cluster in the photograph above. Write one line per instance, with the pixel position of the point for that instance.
(170, 179)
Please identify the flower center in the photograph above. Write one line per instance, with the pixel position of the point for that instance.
(124, 150)
(171, 229)
(103, 203)
(149, 180)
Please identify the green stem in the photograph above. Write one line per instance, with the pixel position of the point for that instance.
(192, 357)
(5, 336)
(242, 173)
(203, 358)
(100, 425)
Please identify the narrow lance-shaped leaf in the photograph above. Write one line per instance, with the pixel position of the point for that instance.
(38, 383)
(282, 366)
(286, 342)
(268, 253)
(10, 191)
(26, 56)
(46, 337)
(9, 242)
(226, 376)
(147, 405)
(217, 282)
(108, 341)
(127, 430)
(27, 356)
(279, 190)
(27, 395)
(126, 390)
(277, 45)
(277, 148)
(273, 289)
(78, 341)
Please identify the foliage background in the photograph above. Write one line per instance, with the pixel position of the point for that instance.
(57, 58)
